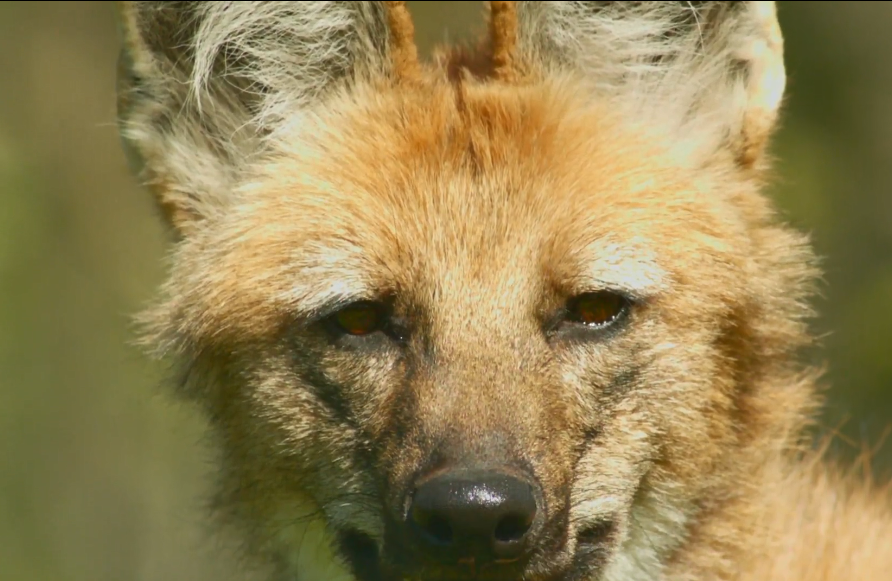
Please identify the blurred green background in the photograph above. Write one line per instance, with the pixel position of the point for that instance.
(101, 475)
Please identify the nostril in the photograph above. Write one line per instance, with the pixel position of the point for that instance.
(433, 526)
(513, 528)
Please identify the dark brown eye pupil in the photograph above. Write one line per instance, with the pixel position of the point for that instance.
(597, 309)
(359, 319)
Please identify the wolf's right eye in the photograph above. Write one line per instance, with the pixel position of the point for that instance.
(360, 318)
(366, 320)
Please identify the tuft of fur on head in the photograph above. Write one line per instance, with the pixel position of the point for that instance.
(216, 81)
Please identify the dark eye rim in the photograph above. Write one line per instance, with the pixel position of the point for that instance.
(388, 325)
(380, 313)
(625, 304)
(563, 321)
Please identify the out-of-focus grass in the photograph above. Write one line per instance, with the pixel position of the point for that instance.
(101, 475)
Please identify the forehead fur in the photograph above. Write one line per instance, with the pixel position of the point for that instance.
(474, 188)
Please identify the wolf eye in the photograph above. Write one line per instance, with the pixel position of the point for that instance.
(597, 309)
(360, 318)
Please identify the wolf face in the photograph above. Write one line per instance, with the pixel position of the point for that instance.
(519, 314)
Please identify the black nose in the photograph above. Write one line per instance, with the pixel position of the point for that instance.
(482, 515)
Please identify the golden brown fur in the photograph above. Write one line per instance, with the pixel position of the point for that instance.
(479, 199)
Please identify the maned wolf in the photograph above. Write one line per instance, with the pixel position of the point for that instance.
(518, 313)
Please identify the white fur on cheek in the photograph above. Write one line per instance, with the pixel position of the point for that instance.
(655, 528)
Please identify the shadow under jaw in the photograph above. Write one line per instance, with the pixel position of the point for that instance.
(367, 563)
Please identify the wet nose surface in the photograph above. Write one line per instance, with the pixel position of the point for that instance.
(483, 515)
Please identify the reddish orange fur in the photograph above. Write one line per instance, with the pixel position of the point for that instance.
(483, 206)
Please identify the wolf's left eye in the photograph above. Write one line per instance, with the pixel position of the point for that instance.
(597, 309)
(360, 318)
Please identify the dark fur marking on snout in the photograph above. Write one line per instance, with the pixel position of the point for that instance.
(624, 381)
(596, 534)
(330, 394)
(592, 550)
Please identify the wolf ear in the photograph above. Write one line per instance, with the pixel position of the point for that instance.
(202, 85)
(714, 70)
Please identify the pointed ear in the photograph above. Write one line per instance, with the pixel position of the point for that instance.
(202, 85)
(714, 71)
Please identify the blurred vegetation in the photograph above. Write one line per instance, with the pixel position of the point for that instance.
(101, 475)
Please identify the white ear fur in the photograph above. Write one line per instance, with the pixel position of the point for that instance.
(202, 85)
(712, 70)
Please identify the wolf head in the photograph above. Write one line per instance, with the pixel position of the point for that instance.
(522, 313)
